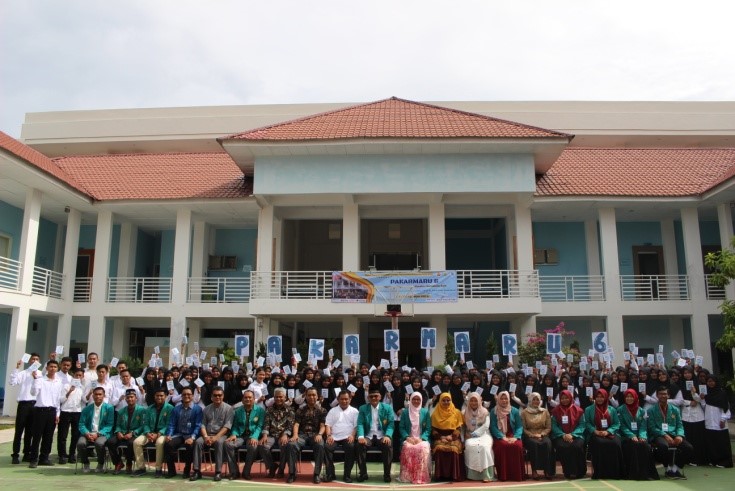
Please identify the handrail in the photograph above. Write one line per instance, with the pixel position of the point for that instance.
(218, 290)
(46, 282)
(577, 288)
(10, 273)
(139, 290)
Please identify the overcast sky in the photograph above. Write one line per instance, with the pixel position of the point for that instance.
(69, 54)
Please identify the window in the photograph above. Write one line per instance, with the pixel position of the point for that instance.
(5, 242)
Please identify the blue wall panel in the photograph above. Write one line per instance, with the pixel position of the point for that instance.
(635, 234)
(568, 238)
(11, 224)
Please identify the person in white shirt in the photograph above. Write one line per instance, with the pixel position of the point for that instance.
(26, 401)
(48, 391)
(117, 398)
(340, 429)
(90, 375)
(64, 370)
(71, 407)
(102, 381)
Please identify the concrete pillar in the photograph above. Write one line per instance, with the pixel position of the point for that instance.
(29, 239)
(200, 250)
(265, 239)
(616, 336)
(58, 249)
(178, 330)
(63, 331)
(182, 246)
(724, 219)
(127, 250)
(103, 241)
(437, 237)
(611, 270)
(524, 237)
(523, 326)
(16, 348)
(351, 325)
(697, 293)
(120, 339)
(351, 237)
(592, 244)
(676, 334)
(437, 356)
(71, 250)
(194, 328)
(671, 266)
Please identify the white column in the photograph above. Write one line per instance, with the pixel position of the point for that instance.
(724, 219)
(194, 327)
(592, 244)
(182, 242)
(523, 326)
(265, 239)
(200, 249)
(127, 250)
(18, 338)
(351, 237)
(102, 244)
(120, 339)
(178, 330)
(29, 239)
(437, 237)
(58, 249)
(440, 323)
(71, 250)
(695, 273)
(524, 237)
(611, 270)
(676, 333)
(351, 325)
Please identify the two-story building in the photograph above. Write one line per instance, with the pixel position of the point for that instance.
(123, 230)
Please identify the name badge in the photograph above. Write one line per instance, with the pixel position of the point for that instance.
(664, 427)
(565, 420)
(634, 426)
(603, 423)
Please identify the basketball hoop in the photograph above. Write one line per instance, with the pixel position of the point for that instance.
(398, 303)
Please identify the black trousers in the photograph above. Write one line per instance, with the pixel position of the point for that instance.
(113, 444)
(681, 457)
(349, 450)
(294, 448)
(67, 421)
(170, 453)
(23, 428)
(386, 450)
(44, 425)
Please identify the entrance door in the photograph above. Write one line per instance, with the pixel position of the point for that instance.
(85, 268)
(648, 263)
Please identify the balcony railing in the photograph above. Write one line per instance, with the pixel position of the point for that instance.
(317, 285)
(9, 273)
(218, 290)
(654, 287)
(291, 285)
(713, 292)
(572, 288)
(47, 282)
(499, 283)
(83, 289)
(139, 290)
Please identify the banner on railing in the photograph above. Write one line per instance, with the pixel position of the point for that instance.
(392, 288)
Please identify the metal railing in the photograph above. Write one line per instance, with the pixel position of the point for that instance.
(499, 283)
(47, 282)
(572, 288)
(714, 292)
(218, 290)
(654, 287)
(317, 285)
(83, 289)
(139, 290)
(291, 285)
(9, 273)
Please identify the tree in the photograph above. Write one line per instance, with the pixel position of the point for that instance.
(722, 264)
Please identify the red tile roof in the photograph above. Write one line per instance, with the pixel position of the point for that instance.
(394, 118)
(38, 160)
(158, 176)
(637, 172)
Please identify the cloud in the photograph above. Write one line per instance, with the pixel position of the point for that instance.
(92, 55)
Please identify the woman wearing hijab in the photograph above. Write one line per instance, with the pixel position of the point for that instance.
(536, 430)
(478, 455)
(692, 415)
(638, 463)
(506, 428)
(567, 435)
(414, 431)
(446, 427)
(605, 447)
(716, 414)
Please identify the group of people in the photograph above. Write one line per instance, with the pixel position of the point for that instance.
(452, 425)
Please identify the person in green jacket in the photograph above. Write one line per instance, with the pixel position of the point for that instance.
(665, 431)
(130, 424)
(638, 464)
(247, 426)
(95, 427)
(414, 431)
(375, 426)
(603, 440)
(567, 435)
(155, 432)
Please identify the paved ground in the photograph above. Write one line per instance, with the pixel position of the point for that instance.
(60, 478)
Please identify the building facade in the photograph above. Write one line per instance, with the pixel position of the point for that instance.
(123, 230)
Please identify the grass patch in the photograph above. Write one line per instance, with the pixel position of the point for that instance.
(6, 427)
